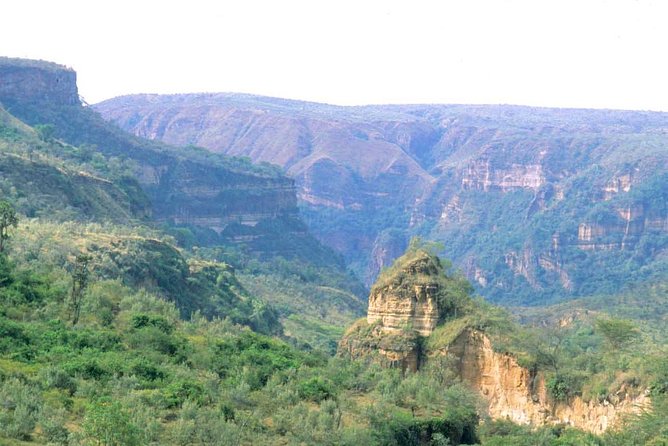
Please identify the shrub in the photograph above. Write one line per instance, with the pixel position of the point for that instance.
(19, 409)
(107, 423)
(181, 391)
(316, 389)
(564, 386)
(145, 369)
(52, 424)
(57, 378)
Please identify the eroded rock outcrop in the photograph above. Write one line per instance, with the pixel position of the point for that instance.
(409, 299)
(405, 305)
(481, 175)
(518, 394)
(413, 319)
(37, 81)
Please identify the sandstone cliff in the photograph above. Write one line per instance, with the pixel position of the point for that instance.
(414, 318)
(408, 299)
(405, 305)
(515, 393)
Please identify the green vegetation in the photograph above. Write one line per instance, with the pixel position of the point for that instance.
(8, 219)
(116, 332)
(138, 374)
(132, 371)
(48, 178)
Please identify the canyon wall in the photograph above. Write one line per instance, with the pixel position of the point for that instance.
(515, 393)
(242, 202)
(37, 81)
(496, 184)
(413, 320)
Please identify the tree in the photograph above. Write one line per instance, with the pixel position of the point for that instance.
(80, 277)
(45, 131)
(618, 333)
(8, 218)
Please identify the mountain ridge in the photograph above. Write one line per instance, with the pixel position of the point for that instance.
(220, 210)
(517, 194)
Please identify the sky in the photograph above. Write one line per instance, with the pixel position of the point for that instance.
(562, 53)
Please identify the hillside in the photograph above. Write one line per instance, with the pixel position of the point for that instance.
(131, 371)
(534, 204)
(60, 162)
(151, 294)
(43, 185)
(185, 186)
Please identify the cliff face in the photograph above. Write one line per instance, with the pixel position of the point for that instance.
(405, 305)
(490, 182)
(511, 392)
(518, 394)
(242, 202)
(412, 320)
(409, 300)
(37, 81)
(218, 198)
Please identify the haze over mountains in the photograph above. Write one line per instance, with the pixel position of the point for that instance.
(533, 204)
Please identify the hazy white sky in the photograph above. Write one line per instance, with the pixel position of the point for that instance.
(583, 53)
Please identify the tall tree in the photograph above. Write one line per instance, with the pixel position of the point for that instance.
(80, 277)
(8, 219)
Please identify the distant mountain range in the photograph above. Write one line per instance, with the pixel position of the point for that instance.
(533, 204)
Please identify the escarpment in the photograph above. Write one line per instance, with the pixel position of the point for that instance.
(487, 181)
(36, 81)
(418, 313)
(241, 202)
(519, 394)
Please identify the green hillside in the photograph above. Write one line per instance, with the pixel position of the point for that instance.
(221, 211)
(133, 372)
(156, 295)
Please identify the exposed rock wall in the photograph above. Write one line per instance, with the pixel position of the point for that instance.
(512, 392)
(409, 300)
(236, 199)
(36, 81)
(213, 197)
(518, 394)
(482, 175)
(405, 306)
(396, 311)
(362, 170)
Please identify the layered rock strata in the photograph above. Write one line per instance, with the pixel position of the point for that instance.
(409, 301)
(406, 306)
(240, 201)
(518, 394)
